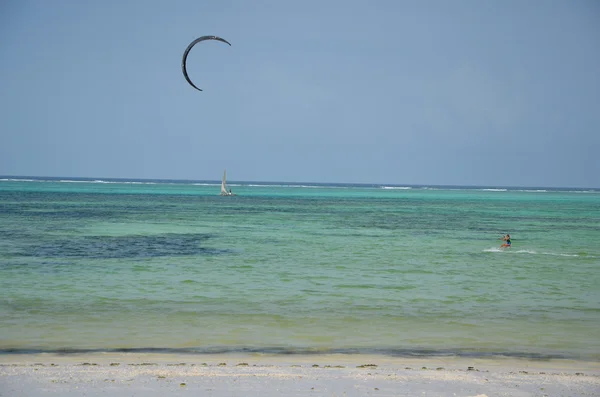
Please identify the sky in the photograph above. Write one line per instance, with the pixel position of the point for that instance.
(464, 92)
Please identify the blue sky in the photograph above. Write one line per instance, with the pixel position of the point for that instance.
(472, 92)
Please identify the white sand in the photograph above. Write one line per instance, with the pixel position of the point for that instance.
(263, 375)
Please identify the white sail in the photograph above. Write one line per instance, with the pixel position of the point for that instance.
(224, 191)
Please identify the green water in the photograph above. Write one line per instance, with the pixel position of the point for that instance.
(292, 268)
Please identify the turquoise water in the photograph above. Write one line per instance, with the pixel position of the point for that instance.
(291, 268)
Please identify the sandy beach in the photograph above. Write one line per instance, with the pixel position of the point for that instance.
(102, 374)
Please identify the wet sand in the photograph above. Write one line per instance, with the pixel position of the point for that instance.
(130, 374)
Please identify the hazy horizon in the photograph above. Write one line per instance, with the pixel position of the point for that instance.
(233, 182)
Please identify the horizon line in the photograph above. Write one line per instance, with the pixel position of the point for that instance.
(92, 179)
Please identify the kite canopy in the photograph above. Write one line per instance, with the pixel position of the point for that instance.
(187, 51)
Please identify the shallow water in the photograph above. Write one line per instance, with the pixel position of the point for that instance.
(168, 265)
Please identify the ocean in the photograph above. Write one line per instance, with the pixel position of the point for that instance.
(170, 266)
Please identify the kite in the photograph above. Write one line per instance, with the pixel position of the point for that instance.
(187, 51)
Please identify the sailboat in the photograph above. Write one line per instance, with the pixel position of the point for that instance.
(224, 191)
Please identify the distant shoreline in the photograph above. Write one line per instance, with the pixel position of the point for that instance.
(20, 178)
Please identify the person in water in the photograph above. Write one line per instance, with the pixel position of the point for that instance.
(506, 241)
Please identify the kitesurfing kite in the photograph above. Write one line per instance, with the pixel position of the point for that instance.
(187, 50)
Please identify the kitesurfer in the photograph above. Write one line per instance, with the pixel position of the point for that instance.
(506, 240)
